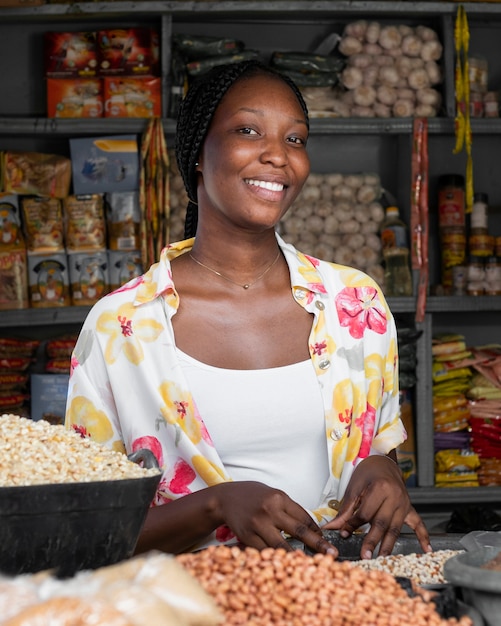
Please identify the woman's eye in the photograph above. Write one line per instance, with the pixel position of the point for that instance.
(297, 140)
(247, 131)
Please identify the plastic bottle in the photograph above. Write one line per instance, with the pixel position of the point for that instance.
(394, 239)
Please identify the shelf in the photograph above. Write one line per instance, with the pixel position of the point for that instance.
(303, 9)
(43, 316)
(454, 495)
(42, 126)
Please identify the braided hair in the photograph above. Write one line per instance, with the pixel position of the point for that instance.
(195, 115)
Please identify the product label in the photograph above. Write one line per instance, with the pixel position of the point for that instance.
(451, 207)
(394, 236)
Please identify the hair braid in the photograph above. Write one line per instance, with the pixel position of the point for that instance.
(195, 115)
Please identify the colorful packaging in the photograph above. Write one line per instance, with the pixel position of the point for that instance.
(43, 224)
(48, 278)
(36, 173)
(70, 55)
(13, 280)
(127, 52)
(123, 217)
(85, 225)
(132, 97)
(10, 222)
(89, 277)
(124, 266)
(74, 97)
(104, 164)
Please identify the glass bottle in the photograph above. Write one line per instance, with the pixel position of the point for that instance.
(394, 240)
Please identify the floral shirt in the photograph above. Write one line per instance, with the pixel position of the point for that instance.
(127, 388)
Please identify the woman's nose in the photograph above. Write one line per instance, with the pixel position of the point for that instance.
(274, 152)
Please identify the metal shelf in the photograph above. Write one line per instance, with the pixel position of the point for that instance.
(455, 495)
(43, 316)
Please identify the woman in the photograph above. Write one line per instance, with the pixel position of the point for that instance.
(264, 381)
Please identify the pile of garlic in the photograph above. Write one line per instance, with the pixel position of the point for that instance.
(391, 71)
(337, 218)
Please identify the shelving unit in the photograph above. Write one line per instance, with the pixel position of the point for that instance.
(382, 145)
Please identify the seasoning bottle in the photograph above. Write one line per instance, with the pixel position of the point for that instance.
(480, 243)
(452, 225)
(475, 276)
(493, 276)
(394, 240)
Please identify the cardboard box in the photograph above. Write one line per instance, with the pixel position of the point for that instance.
(74, 97)
(132, 97)
(48, 279)
(48, 396)
(70, 55)
(89, 277)
(127, 52)
(124, 266)
(104, 164)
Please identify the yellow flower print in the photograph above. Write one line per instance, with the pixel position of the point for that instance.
(83, 417)
(178, 410)
(126, 334)
(148, 288)
(208, 472)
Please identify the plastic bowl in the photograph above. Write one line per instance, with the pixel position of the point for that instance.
(479, 587)
(72, 526)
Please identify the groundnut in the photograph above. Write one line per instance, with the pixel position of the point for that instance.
(280, 588)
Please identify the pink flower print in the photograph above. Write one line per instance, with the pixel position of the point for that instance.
(125, 325)
(359, 308)
(366, 423)
(73, 364)
(179, 477)
(181, 407)
(160, 496)
(224, 534)
(149, 443)
(132, 284)
(315, 262)
(319, 348)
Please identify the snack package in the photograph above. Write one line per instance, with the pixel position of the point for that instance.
(123, 217)
(74, 97)
(48, 278)
(36, 173)
(127, 52)
(43, 224)
(124, 266)
(68, 54)
(13, 279)
(10, 222)
(89, 277)
(85, 225)
(132, 97)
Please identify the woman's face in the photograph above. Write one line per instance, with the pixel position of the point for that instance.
(253, 162)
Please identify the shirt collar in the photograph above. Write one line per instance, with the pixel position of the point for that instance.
(157, 281)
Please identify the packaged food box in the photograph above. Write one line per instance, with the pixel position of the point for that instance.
(70, 54)
(104, 164)
(48, 280)
(123, 217)
(127, 51)
(13, 279)
(84, 223)
(124, 266)
(132, 97)
(36, 173)
(74, 97)
(10, 222)
(43, 224)
(89, 276)
(48, 397)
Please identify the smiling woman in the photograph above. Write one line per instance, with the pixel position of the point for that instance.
(264, 381)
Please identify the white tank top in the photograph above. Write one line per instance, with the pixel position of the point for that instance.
(267, 425)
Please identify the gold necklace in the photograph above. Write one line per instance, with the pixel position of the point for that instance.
(246, 285)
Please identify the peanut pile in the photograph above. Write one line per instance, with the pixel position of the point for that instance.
(36, 452)
(279, 588)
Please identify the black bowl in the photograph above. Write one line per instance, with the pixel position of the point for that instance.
(72, 526)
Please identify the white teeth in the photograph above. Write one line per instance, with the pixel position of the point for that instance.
(265, 185)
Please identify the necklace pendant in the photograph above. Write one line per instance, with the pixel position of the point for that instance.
(246, 286)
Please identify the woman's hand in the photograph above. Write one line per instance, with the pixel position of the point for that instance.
(377, 495)
(260, 515)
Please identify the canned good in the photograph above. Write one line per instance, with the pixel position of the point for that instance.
(451, 200)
